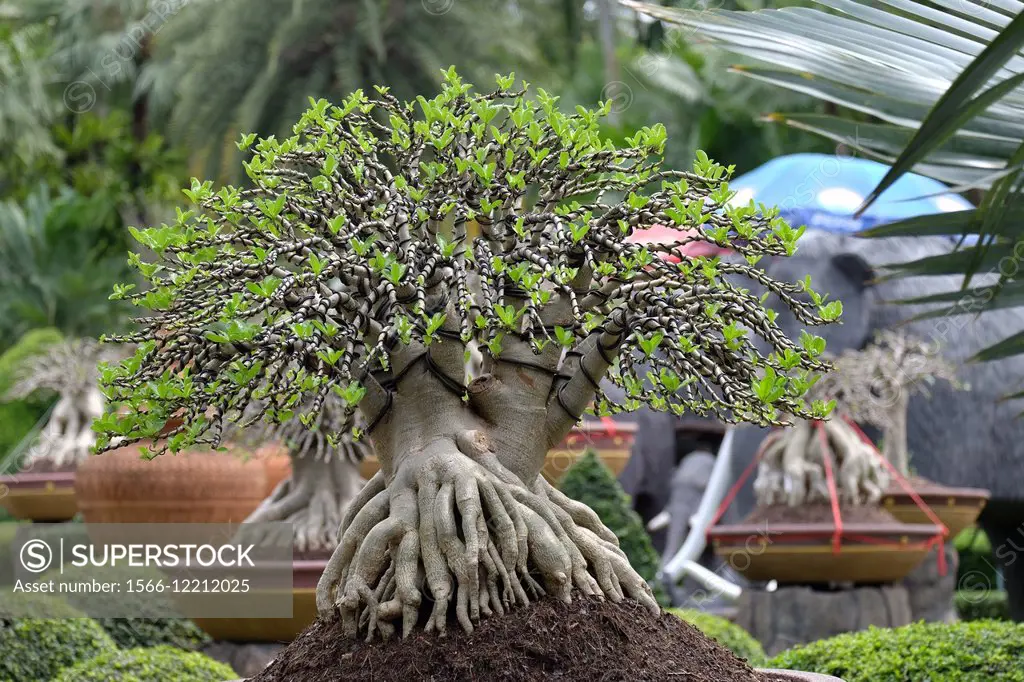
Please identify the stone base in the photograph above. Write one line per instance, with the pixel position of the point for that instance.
(931, 594)
(247, 660)
(789, 616)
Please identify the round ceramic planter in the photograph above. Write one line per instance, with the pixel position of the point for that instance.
(305, 575)
(612, 445)
(777, 675)
(956, 508)
(189, 487)
(803, 553)
(48, 497)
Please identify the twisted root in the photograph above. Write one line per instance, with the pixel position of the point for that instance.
(791, 470)
(463, 529)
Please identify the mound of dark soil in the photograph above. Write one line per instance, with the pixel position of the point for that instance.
(817, 513)
(590, 640)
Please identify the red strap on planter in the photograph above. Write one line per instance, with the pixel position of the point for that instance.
(940, 540)
(735, 489)
(833, 494)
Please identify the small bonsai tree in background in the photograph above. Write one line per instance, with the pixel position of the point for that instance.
(68, 368)
(346, 268)
(875, 386)
(589, 481)
(870, 386)
(325, 478)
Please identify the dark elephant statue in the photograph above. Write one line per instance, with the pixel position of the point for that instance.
(958, 438)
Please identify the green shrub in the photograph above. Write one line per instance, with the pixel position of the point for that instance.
(37, 649)
(982, 605)
(979, 651)
(28, 346)
(157, 622)
(728, 634)
(17, 419)
(589, 481)
(158, 664)
(976, 569)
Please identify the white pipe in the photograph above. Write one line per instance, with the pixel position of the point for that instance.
(659, 521)
(711, 581)
(693, 546)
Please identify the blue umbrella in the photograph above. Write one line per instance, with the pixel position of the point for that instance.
(824, 191)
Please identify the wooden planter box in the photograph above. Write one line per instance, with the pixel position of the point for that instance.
(46, 497)
(804, 553)
(957, 508)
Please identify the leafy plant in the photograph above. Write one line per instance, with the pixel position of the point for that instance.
(148, 665)
(982, 605)
(56, 269)
(978, 651)
(728, 634)
(155, 622)
(39, 648)
(976, 562)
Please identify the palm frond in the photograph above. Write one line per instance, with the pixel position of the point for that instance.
(944, 83)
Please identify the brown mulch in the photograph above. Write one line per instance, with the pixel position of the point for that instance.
(590, 640)
(817, 513)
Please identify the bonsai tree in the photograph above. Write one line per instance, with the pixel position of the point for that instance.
(871, 386)
(69, 369)
(325, 475)
(877, 383)
(346, 268)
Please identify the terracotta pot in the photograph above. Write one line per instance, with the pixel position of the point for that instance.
(189, 487)
(775, 674)
(957, 508)
(276, 462)
(39, 496)
(612, 446)
(306, 574)
(802, 553)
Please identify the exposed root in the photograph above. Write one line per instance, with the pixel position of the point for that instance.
(313, 502)
(791, 470)
(456, 533)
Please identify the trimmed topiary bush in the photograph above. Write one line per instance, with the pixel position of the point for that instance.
(982, 605)
(156, 664)
(589, 481)
(979, 651)
(728, 634)
(155, 624)
(976, 567)
(37, 649)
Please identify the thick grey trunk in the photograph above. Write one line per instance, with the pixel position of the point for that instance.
(458, 510)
